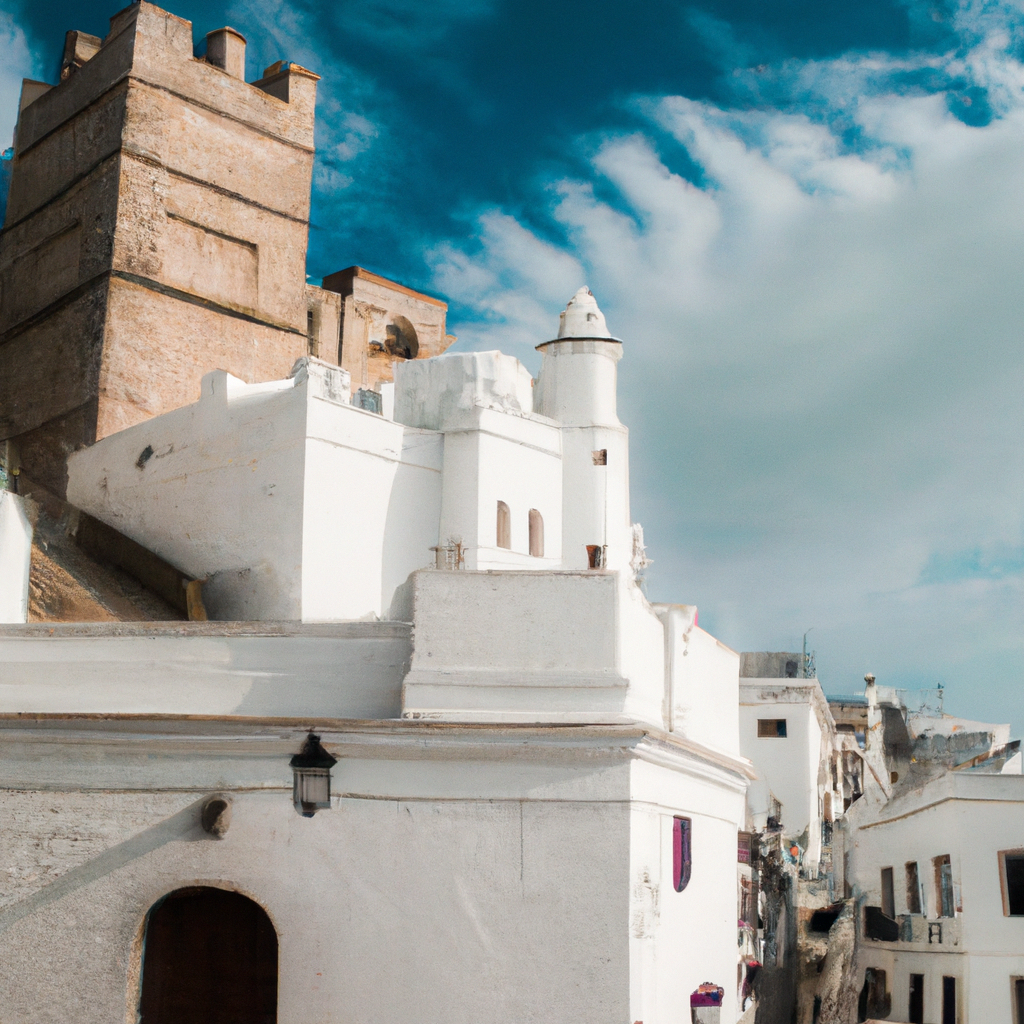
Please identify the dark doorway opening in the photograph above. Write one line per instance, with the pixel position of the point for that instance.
(875, 1001)
(209, 957)
(1014, 867)
(917, 999)
(949, 1000)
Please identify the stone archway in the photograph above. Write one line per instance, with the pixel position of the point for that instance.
(209, 957)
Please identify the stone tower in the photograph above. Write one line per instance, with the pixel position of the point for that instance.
(156, 229)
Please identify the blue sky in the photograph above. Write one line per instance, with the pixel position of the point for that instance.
(806, 219)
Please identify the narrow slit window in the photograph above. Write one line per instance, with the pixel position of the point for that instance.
(944, 885)
(536, 534)
(504, 526)
(913, 889)
(1013, 883)
(681, 854)
(772, 728)
(888, 894)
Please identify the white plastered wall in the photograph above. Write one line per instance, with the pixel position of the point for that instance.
(496, 449)
(787, 765)
(220, 490)
(370, 510)
(15, 557)
(523, 646)
(347, 670)
(508, 458)
(595, 502)
(679, 940)
(504, 883)
(702, 696)
(291, 502)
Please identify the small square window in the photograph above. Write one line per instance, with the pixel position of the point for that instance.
(771, 727)
(1012, 872)
(600, 457)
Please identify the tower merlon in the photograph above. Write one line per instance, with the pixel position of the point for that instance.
(147, 46)
(225, 49)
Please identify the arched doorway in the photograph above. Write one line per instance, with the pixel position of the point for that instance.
(209, 957)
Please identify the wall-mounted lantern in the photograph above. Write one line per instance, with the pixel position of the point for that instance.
(311, 768)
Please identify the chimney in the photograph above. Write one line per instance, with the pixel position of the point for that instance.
(225, 48)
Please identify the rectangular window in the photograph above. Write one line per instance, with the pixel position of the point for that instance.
(948, 1000)
(944, 885)
(773, 727)
(600, 457)
(888, 895)
(913, 889)
(1017, 998)
(1011, 864)
(916, 1008)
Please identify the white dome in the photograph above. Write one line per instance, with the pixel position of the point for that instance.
(582, 318)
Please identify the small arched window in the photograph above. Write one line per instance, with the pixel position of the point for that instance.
(504, 526)
(536, 534)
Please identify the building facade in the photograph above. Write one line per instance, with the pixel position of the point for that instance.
(422, 589)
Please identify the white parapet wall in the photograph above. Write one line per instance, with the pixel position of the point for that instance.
(290, 502)
(15, 557)
(267, 670)
(702, 692)
(533, 647)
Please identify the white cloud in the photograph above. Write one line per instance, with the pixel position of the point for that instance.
(17, 61)
(824, 355)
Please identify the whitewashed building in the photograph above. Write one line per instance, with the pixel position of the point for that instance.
(938, 872)
(946, 862)
(539, 783)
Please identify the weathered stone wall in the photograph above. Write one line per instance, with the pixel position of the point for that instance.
(384, 323)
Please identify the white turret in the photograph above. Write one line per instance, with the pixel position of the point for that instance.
(577, 386)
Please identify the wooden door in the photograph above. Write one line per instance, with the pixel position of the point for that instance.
(210, 957)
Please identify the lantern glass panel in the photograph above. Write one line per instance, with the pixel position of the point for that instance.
(312, 788)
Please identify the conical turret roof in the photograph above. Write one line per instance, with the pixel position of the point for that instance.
(583, 318)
